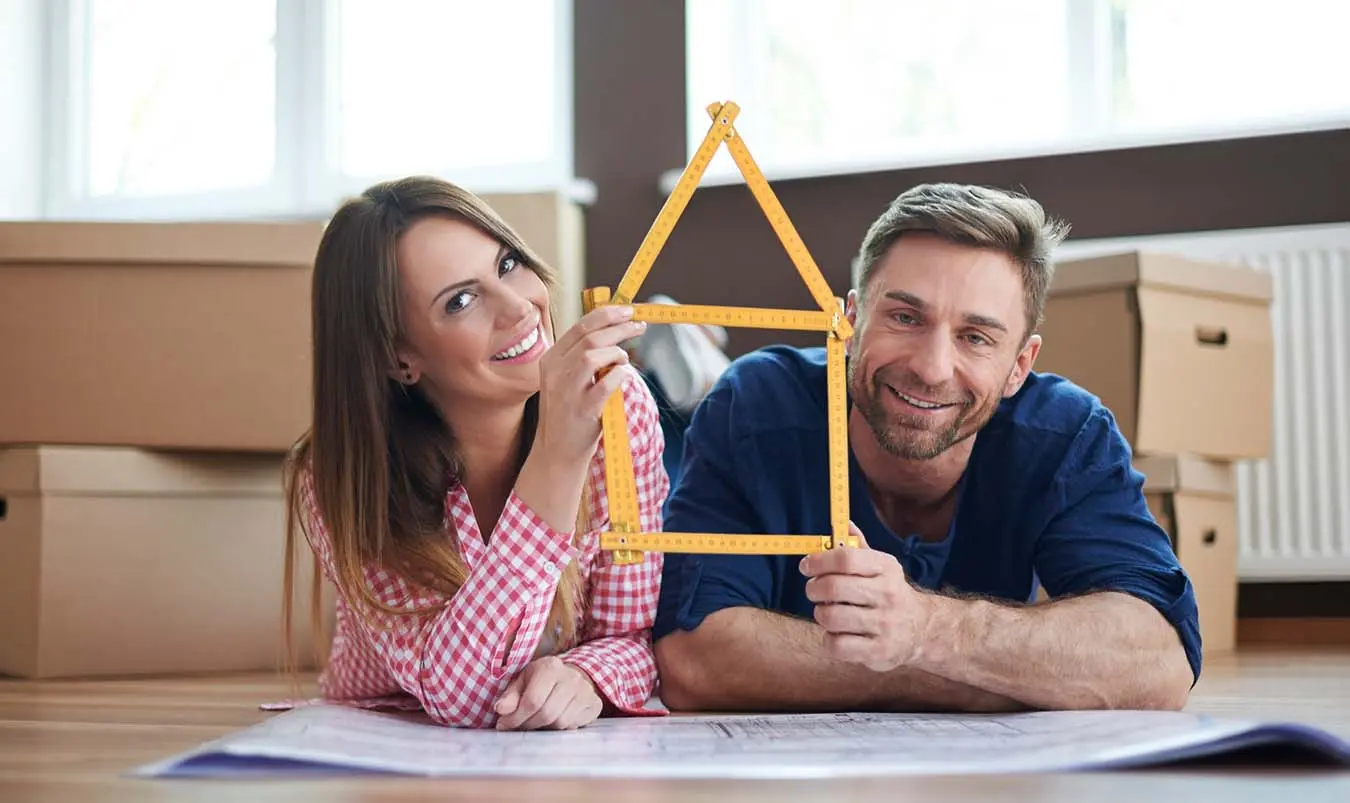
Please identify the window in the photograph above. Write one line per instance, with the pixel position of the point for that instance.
(240, 108)
(180, 96)
(486, 92)
(1215, 64)
(868, 84)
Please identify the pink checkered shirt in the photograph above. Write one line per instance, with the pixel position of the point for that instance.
(452, 661)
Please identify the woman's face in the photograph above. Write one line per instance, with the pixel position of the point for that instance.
(475, 318)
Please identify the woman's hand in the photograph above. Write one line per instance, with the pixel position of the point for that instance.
(548, 694)
(570, 397)
(571, 401)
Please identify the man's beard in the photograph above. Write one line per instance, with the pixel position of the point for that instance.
(908, 437)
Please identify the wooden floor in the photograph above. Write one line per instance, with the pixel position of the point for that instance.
(72, 740)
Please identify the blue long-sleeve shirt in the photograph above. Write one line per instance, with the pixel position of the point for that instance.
(1050, 495)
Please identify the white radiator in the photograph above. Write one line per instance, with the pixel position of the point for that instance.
(1293, 508)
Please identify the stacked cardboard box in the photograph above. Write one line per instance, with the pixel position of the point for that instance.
(152, 377)
(1182, 353)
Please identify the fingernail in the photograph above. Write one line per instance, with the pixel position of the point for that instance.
(626, 312)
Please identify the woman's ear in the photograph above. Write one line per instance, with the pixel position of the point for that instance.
(406, 372)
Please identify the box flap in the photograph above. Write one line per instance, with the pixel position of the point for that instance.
(1140, 268)
(1189, 473)
(196, 243)
(77, 470)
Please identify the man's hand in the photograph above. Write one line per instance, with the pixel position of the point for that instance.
(548, 694)
(871, 614)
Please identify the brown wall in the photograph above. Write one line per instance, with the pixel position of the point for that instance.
(630, 128)
(629, 123)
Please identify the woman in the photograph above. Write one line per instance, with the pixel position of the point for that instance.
(452, 482)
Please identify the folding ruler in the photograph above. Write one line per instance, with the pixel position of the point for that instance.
(625, 538)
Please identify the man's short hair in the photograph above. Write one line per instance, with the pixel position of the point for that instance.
(984, 217)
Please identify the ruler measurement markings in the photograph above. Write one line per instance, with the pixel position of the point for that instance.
(624, 540)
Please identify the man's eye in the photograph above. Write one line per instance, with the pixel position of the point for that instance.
(905, 318)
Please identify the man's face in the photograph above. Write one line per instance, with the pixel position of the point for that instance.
(936, 344)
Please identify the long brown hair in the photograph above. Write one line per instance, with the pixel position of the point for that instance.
(380, 457)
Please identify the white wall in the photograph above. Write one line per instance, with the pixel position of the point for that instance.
(21, 108)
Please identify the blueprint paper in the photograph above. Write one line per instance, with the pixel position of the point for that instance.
(326, 738)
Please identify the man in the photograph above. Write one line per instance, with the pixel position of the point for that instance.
(972, 480)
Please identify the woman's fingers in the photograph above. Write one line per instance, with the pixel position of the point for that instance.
(594, 400)
(597, 320)
(596, 360)
(609, 336)
(580, 712)
(548, 712)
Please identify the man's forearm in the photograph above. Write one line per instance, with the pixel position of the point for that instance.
(1105, 650)
(753, 660)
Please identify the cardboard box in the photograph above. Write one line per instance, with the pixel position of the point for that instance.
(128, 562)
(190, 336)
(1181, 351)
(1194, 501)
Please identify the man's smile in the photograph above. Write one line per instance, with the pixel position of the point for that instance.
(919, 404)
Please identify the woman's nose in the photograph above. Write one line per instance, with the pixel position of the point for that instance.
(514, 308)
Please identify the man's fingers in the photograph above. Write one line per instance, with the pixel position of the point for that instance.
(860, 562)
(848, 619)
(858, 534)
(843, 589)
(850, 647)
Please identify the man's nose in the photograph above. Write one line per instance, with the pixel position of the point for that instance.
(933, 362)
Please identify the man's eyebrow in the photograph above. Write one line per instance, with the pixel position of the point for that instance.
(973, 318)
(907, 298)
(985, 321)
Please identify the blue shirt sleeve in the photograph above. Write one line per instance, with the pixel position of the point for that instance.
(710, 498)
(1104, 537)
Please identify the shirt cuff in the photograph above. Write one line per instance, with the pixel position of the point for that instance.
(535, 552)
(620, 690)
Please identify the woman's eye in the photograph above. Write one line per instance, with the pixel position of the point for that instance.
(509, 263)
(457, 302)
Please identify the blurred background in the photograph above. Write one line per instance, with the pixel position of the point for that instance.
(166, 167)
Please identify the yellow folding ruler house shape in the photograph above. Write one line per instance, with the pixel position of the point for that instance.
(624, 536)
